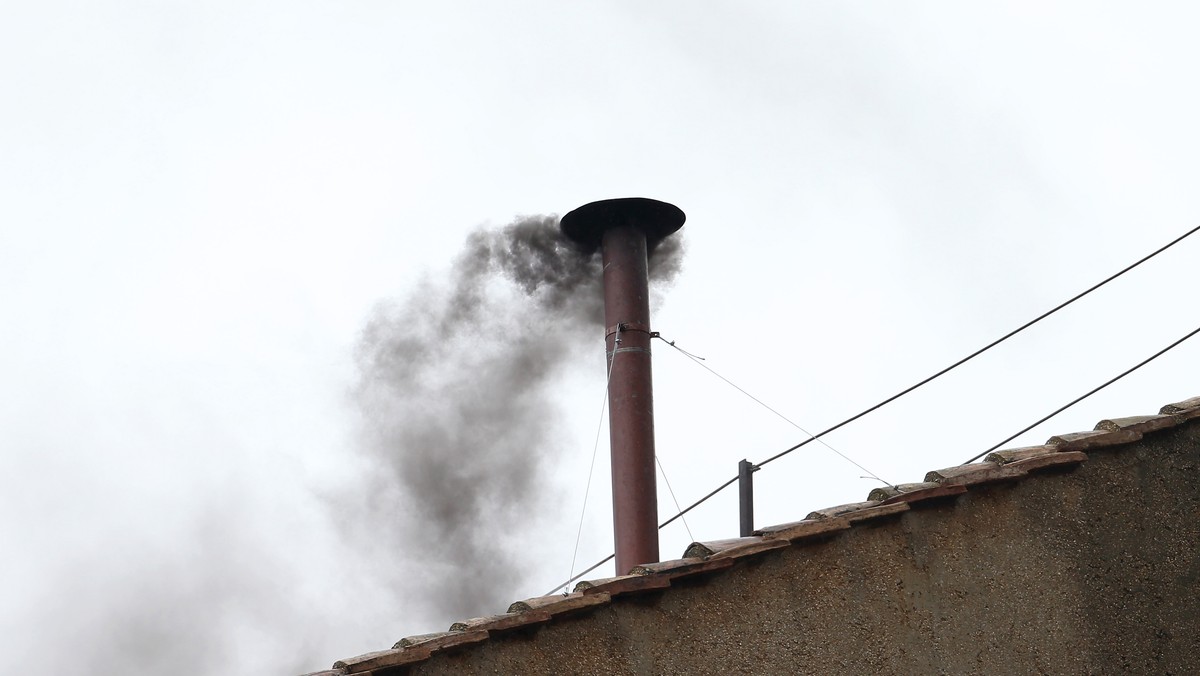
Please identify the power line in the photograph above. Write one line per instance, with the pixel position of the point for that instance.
(1139, 365)
(985, 348)
(697, 503)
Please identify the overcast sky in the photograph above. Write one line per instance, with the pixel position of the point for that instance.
(203, 205)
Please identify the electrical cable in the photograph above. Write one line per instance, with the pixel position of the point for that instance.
(985, 348)
(697, 503)
(1140, 364)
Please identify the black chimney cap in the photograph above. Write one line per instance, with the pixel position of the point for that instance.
(586, 225)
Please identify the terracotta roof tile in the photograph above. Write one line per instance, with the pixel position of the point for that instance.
(913, 493)
(1063, 459)
(733, 549)
(859, 511)
(928, 492)
(1142, 424)
(625, 584)
(974, 475)
(504, 622)
(1186, 406)
(408, 650)
(884, 492)
(762, 546)
(1082, 441)
(838, 510)
(679, 568)
(703, 558)
(1014, 454)
(441, 640)
(700, 550)
(808, 529)
(381, 659)
(558, 604)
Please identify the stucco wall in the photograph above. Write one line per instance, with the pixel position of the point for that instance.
(1090, 571)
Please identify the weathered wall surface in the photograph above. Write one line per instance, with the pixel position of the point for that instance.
(1091, 571)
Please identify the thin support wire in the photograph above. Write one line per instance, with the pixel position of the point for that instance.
(783, 417)
(592, 467)
(673, 498)
(594, 566)
(1140, 364)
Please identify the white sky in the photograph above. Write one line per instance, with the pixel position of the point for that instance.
(200, 204)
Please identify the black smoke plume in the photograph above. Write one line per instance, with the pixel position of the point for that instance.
(456, 391)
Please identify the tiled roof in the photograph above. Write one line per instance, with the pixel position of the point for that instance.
(712, 558)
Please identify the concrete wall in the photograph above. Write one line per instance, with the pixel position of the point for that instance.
(1091, 571)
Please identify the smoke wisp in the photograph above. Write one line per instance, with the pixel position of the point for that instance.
(457, 396)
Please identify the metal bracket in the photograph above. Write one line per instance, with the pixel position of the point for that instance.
(627, 326)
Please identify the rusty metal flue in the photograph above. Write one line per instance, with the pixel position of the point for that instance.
(625, 231)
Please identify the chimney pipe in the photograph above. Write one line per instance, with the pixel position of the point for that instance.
(626, 231)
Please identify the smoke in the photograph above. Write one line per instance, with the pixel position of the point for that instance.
(218, 549)
(456, 391)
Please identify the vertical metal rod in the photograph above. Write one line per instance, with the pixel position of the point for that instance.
(746, 471)
(631, 413)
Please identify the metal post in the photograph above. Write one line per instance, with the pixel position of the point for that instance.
(625, 231)
(746, 470)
